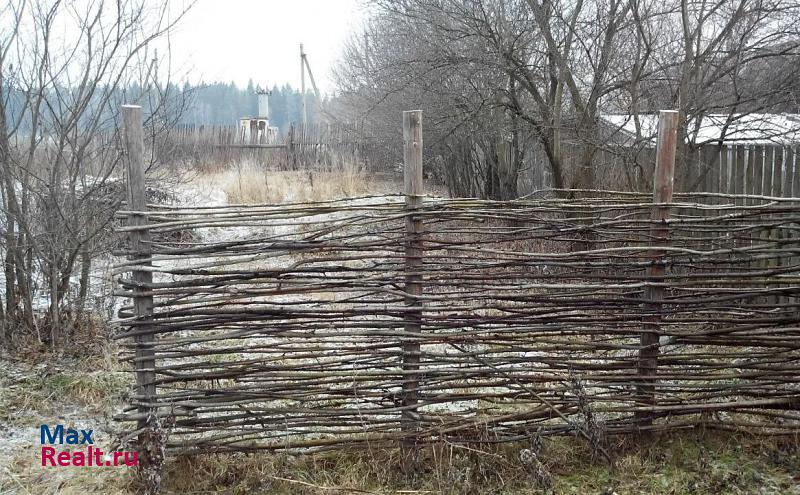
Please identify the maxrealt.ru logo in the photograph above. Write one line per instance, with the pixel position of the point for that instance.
(89, 455)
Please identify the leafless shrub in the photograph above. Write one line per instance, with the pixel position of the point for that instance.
(529, 458)
(65, 69)
(587, 420)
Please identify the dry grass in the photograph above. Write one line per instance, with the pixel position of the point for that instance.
(58, 389)
(26, 476)
(250, 184)
(695, 463)
(42, 394)
(38, 383)
(690, 463)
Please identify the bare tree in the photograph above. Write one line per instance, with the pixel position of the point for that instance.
(540, 74)
(65, 68)
(523, 58)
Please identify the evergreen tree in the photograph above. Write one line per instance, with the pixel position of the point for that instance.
(224, 104)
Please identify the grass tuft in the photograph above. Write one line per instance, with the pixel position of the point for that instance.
(670, 464)
(250, 184)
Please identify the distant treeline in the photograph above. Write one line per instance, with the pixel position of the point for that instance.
(224, 103)
(202, 104)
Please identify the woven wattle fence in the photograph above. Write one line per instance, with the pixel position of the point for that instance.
(287, 326)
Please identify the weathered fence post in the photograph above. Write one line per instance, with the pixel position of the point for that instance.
(140, 246)
(663, 180)
(291, 157)
(412, 158)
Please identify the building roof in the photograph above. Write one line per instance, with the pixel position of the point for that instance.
(747, 129)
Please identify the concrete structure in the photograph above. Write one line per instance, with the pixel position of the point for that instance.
(256, 130)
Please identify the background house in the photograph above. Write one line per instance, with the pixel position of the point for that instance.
(753, 153)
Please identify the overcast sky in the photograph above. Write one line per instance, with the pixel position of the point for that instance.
(235, 40)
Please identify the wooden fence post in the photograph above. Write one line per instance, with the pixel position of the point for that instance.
(140, 246)
(412, 158)
(663, 181)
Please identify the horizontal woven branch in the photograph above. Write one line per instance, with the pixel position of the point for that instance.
(282, 326)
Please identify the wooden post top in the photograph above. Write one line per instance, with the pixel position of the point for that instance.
(412, 152)
(666, 148)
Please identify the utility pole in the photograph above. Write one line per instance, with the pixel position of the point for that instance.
(305, 66)
(303, 84)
